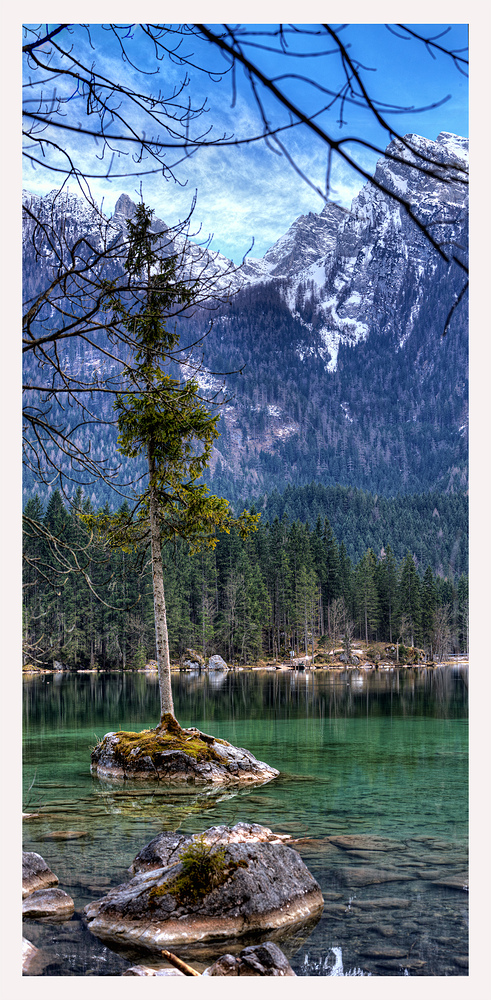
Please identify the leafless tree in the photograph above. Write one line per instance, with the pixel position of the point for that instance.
(442, 631)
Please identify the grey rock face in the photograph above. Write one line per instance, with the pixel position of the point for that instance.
(264, 886)
(36, 874)
(193, 661)
(354, 264)
(309, 239)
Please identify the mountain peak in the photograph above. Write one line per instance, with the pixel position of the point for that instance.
(125, 207)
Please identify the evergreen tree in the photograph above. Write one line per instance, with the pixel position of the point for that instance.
(442, 631)
(366, 595)
(410, 598)
(345, 578)
(386, 578)
(307, 604)
(463, 612)
(332, 562)
(428, 607)
(164, 419)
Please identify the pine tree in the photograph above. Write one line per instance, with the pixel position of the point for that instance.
(164, 419)
(366, 596)
(442, 631)
(410, 598)
(463, 612)
(386, 577)
(345, 577)
(428, 607)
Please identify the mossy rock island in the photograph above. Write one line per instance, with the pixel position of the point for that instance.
(174, 755)
(202, 890)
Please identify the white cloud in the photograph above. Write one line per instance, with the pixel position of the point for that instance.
(243, 192)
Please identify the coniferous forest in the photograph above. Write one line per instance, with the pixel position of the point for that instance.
(292, 585)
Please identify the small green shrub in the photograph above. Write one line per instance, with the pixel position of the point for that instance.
(203, 868)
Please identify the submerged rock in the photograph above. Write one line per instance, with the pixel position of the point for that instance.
(171, 754)
(36, 874)
(256, 885)
(366, 842)
(146, 970)
(359, 877)
(65, 835)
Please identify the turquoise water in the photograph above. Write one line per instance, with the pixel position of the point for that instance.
(373, 755)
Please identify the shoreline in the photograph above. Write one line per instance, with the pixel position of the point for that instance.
(367, 667)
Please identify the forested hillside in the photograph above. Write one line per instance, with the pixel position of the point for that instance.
(432, 526)
(390, 419)
(284, 588)
(385, 421)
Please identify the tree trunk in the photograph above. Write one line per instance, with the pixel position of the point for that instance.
(161, 634)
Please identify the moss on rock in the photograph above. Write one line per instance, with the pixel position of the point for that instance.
(170, 753)
(131, 747)
(203, 868)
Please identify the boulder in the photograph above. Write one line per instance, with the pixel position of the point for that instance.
(174, 755)
(257, 960)
(217, 663)
(255, 886)
(53, 903)
(35, 873)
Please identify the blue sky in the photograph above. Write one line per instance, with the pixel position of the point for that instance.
(250, 192)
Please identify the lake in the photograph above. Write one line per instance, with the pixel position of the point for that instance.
(380, 756)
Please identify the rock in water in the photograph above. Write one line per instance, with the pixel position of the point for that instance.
(171, 754)
(35, 873)
(256, 886)
(52, 903)
(257, 960)
(29, 952)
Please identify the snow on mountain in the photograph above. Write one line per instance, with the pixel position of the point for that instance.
(366, 277)
(339, 271)
(309, 239)
(354, 263)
